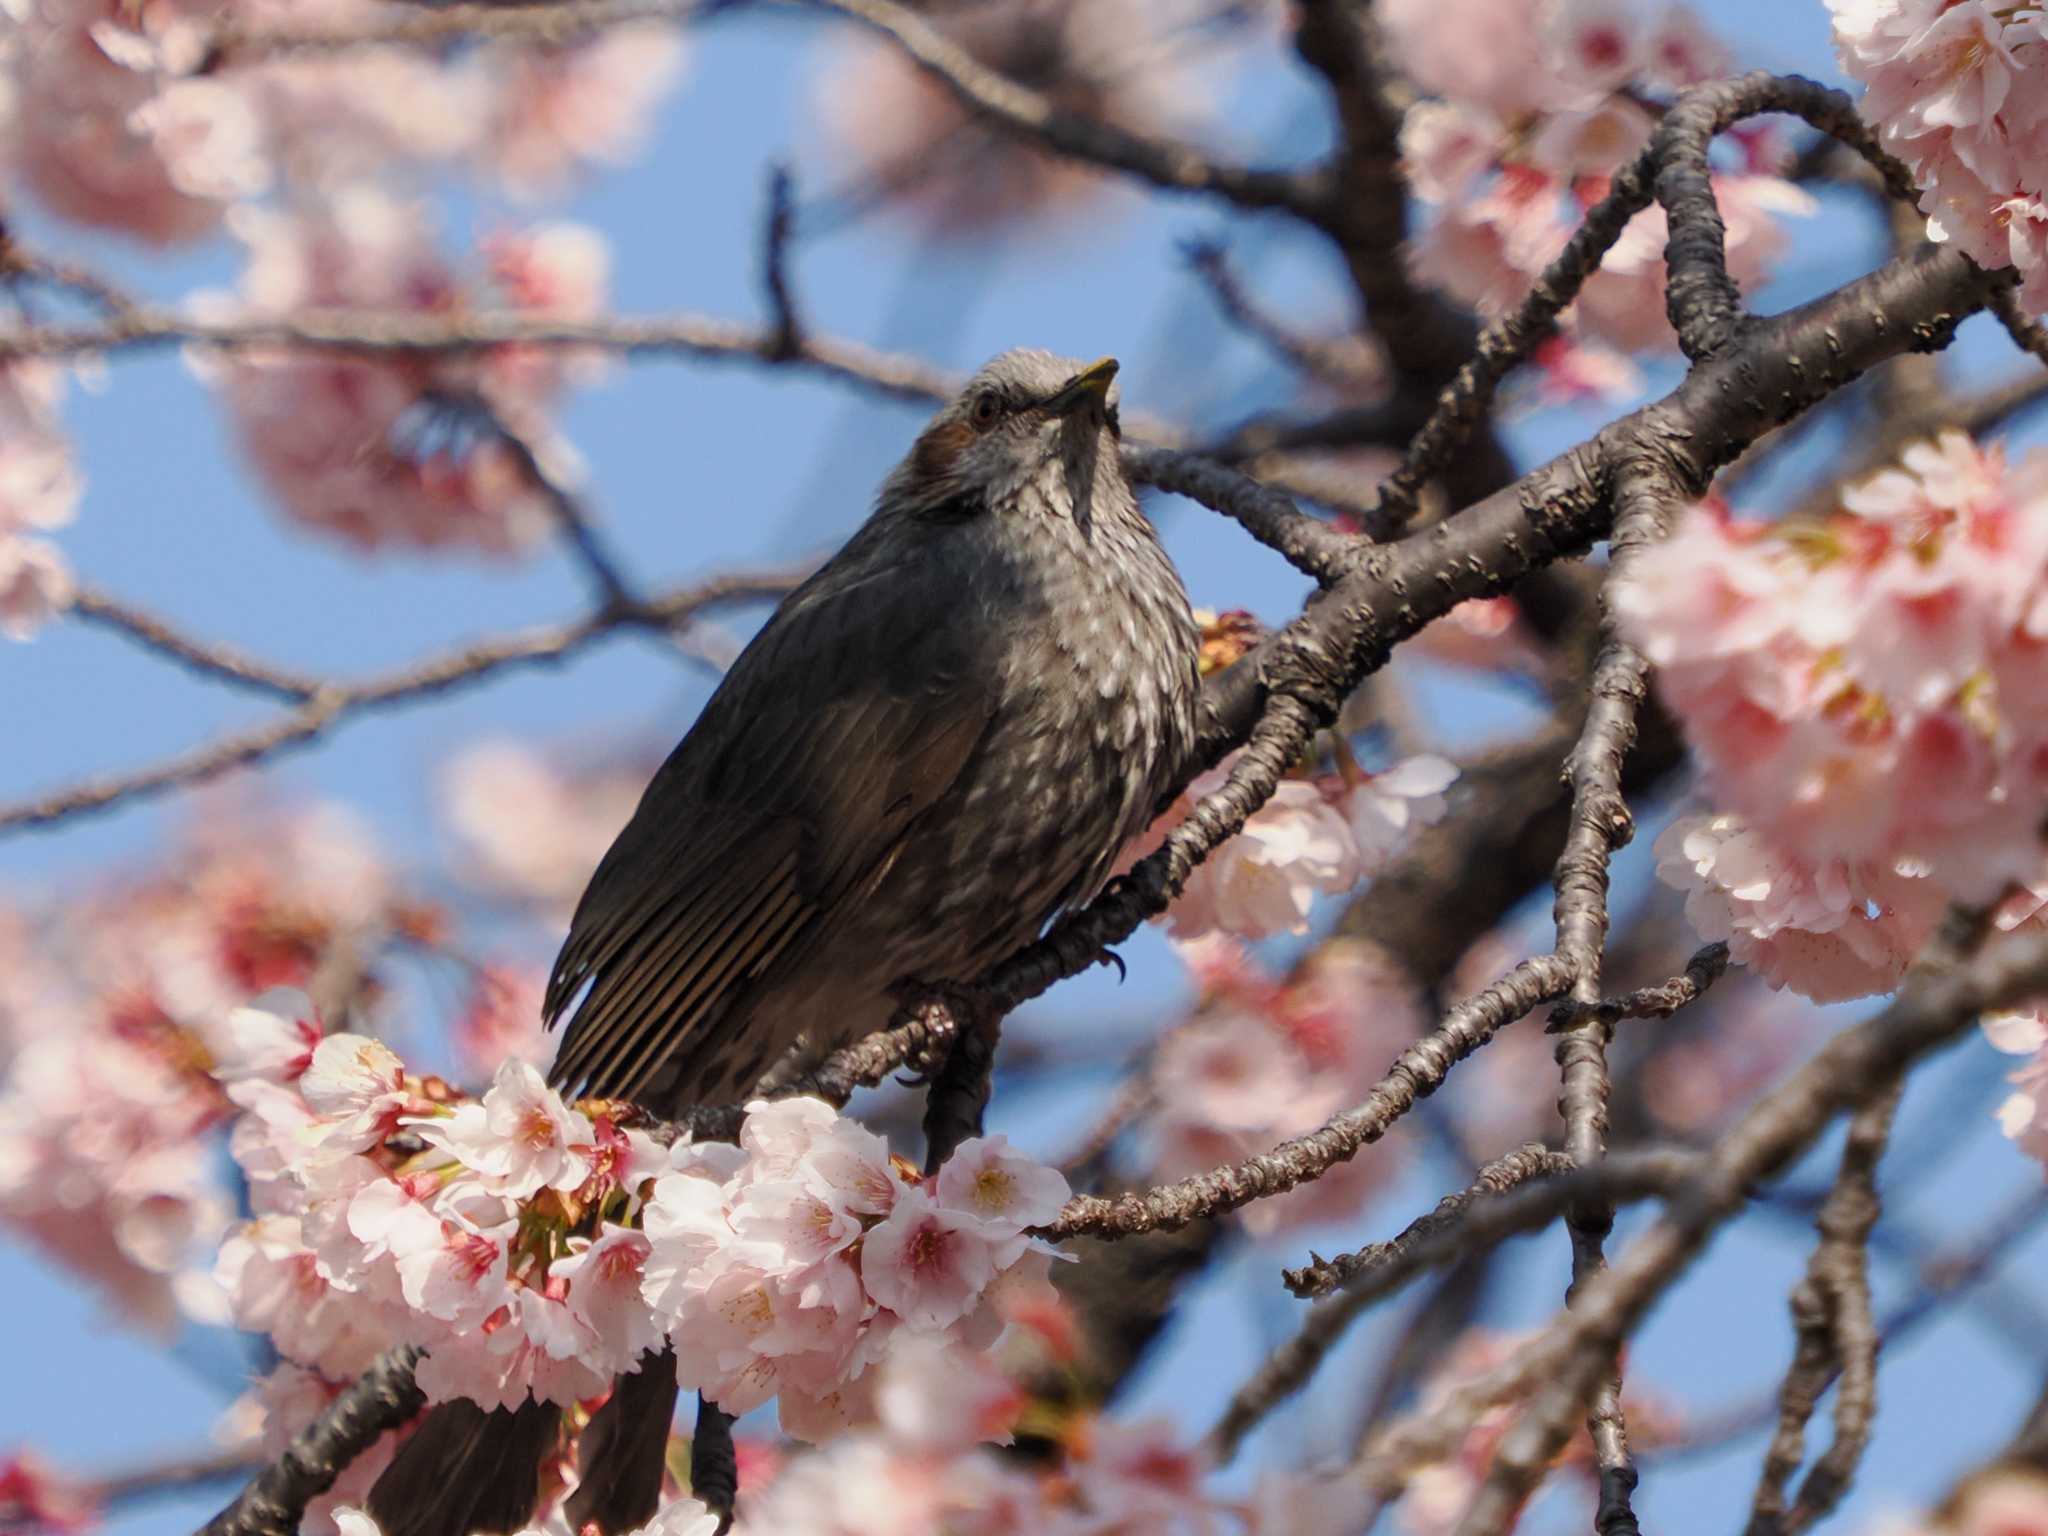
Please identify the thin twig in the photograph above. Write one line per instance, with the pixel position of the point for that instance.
(572, 519)
(544, 25)
(1416, 1073)
(1708, 964)
(1344, 363)
(1600, 824)
(1309, 544)
(208, 658)
(1170, 166)
(328, 704)
(2027, 332)
(1521, 1192)
(1564, 1362)
(785, 331)
(1289, 1367)
(1836, 1336)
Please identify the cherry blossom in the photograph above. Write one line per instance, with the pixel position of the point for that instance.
(1832, 931)
(1523, 138)
(1386, 809)
(522, 1138)
(1261, 1061)
(2023, 1116)
(529, 830)
(1861, 692)
(553, 111)
(1003, 1190)
(501, 1021)
(1956, 91)
(35, 585)
(389, 452)
(271, 1037)
(925, 1262)
(274, 1286)
(1265, 879)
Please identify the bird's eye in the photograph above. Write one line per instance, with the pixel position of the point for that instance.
(987, 407)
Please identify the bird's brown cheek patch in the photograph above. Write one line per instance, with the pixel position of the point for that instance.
(939, 451)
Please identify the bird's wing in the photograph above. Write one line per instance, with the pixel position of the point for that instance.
(846, 719)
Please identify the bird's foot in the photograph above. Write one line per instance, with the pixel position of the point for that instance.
(944, 1008)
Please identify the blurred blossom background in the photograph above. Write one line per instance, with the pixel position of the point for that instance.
(424, 859)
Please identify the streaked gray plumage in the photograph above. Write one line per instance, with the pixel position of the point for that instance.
(938, 742)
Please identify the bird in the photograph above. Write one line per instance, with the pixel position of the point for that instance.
(937, 743)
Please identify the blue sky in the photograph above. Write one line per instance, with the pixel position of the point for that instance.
(697, 467)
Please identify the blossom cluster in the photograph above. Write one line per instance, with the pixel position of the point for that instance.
(1524, 134)
(1958, 89)
(923, 1468)
(532, 1246)
(39, 488)
(1260, 1061)
(402, 451)
(117, 1003)
(116, 124)
(1315, 836)
(910, 1479)
(530, 830)
(1863, 692)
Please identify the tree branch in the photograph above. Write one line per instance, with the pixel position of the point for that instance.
(1416, 1073)
(1835, 1335)
(1563, 1364)
(328, 704)
(1170, 166)
(382, 1398)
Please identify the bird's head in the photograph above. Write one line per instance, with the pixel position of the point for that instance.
(1031, 432)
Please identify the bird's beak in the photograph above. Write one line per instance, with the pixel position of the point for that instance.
(1091, 383)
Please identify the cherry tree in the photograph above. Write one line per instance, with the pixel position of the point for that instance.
(1782, 597)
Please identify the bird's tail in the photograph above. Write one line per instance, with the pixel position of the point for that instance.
(466, 1470)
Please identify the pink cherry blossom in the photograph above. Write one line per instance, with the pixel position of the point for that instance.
(1680, 51)
(1863, 688)
(522, 1138)
(362, 447)
(39, 480)
(1265, 879)
(458, 1273)
(35, 585)
(687, 1226)
(604, 1291)
(1224, 1070)
(796, 1219)
(501, 1021)
(275, 1286)
(926, 1262)
(271, 1037)
(2023, 1116)
(1955, 90)
(1599, 45)
(1829, 932)
(1385, 810)
(358, 1086)
(999, 1188)
(554, 111)
(1432, 39)
(937, 1396)
(529, 830)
